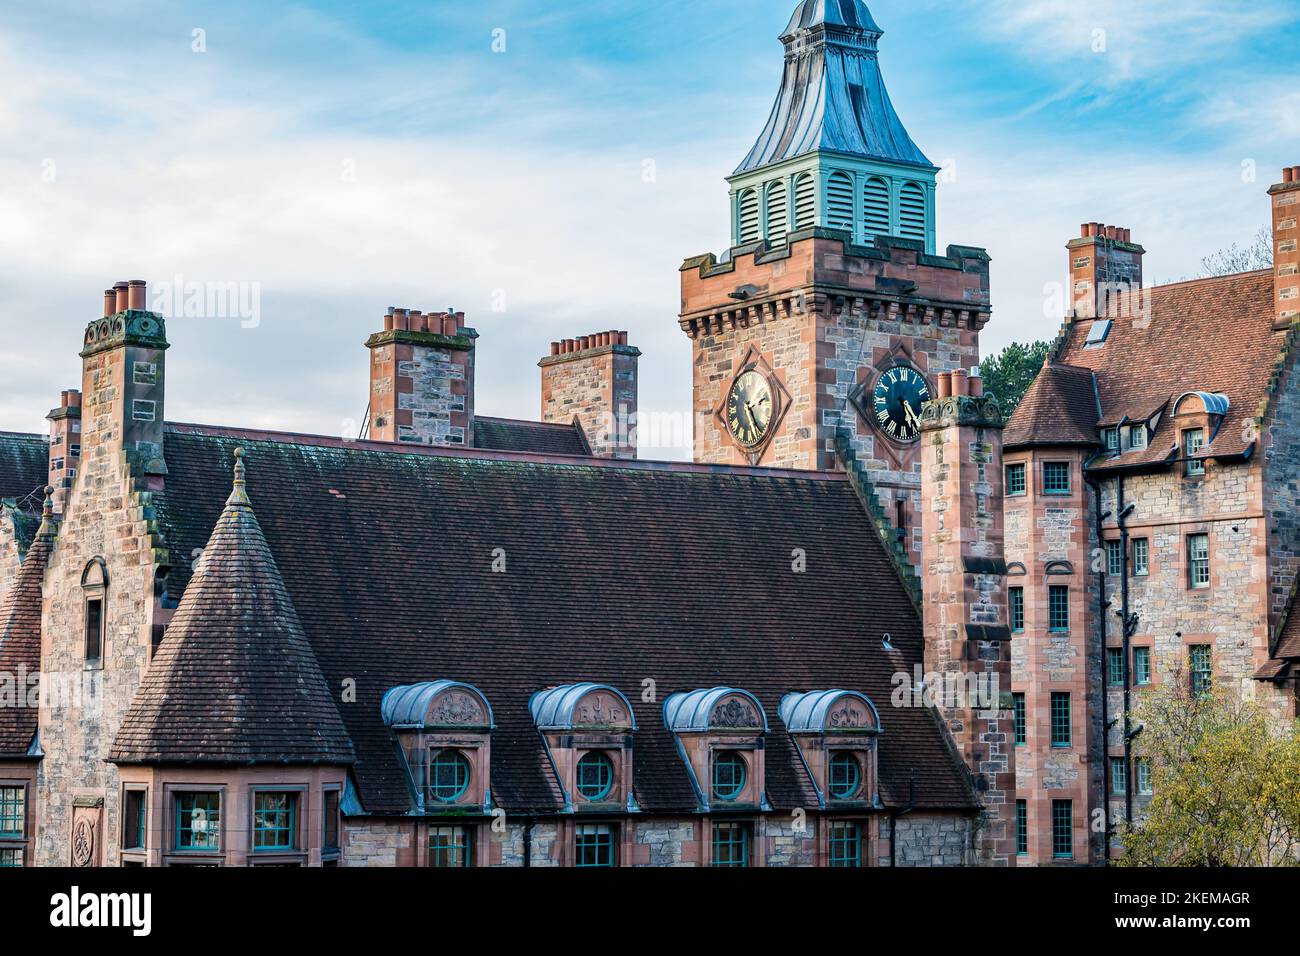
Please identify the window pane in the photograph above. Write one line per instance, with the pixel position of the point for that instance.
(1198, 560)
(595, 776)
(13, 812)
(1056, 478)
(448, 776)
(1058, 607)
(1022, 827)
(11, 857)
(1118, 775)
(133, 828)
(1202, 668)
(731, 844)
(1016, 479)
(198, 821)
(94, 629)
(1115, 666)
(594, 846)
(1115, 558)
(1144, 775)
(846, 844)
(846, 776)
(1018, 716)
(1193, 442)
(1062, 829)
(1141, 665)
(1141, 556)
(273, 821)
(1016, 601)
(728, 776)
(331, 812)
(1060, 719)
(450, 847)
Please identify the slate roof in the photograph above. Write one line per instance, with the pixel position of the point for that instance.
(1060, 408)
(20, 635)
(234, 679)
(542, 438)
(24, 468)
(616, 572)
(832, 95)
(1212, 335)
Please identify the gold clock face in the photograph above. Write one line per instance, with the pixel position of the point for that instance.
(749, 408)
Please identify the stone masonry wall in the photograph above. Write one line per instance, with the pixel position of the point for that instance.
(1282, 490)
(666, 843)
(923, 839)
(597, 386)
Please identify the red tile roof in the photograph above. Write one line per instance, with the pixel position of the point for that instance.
(20, 636)
(1060, 408)
(234, 679)
(620, 572)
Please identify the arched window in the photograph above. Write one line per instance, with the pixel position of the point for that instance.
(911, 212)
(777, 224)
(839, 201)
(94, 586)
(595, 775)
(875, 207)
(845, 776)
(748, 217)
(728, 775)
(448, 776)
(805, 202)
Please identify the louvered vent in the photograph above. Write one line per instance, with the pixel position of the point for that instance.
(805, 202)
(875, 208)
(748, 217)
(839, 202)
(777, 226)
(912, 212)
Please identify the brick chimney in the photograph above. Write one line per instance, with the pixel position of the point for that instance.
(1286, 258)
(1105, 262)
(593, 379)
(964, 612)
(122, 376)
(422, 379)
(65, 445)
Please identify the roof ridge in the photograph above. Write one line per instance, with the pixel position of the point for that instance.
(1208, 279)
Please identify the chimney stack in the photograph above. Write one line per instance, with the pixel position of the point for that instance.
(422, 379)
(65, 446)
(593, 379)
(1105, 264)
(1285, 198)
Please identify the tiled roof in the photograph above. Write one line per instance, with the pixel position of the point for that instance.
(234, 679)
(541, 438)
(1060, 408)
(24, 467)
(1213, 335)
(621, 573)
(1288, 640)
(20, 636)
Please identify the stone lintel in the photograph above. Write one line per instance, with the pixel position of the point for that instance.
(464, 342)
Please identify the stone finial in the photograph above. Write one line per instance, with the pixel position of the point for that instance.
(239, 493)
(47, 513)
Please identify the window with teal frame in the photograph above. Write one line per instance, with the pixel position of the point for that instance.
(448, 776)
(329, 820)
(1016, 601)
(846, 776)
(1114, 557)
(451, 847)
(1141, 557)
(1062, 829)
(846, 843)
(1018, 717)
(1144, 776)
(595, 775)
(1198, 561)
(198, 821)
(1202, 668)
(274, 816)
(594, 845)
(133, 819)
(13, 813)
(1016, 479)
(1058, 608)
(1022, 827)
(731, 844)
(728, 775)
(1056, 477)
(11, 858)
(1118, 776)
(1141, 666)
(1115, 666)
(1193, 442)
(1060, 714)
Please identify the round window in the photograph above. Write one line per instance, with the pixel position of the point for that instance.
(448, 775)
(728, 775)
(846, 776)
(595, 776)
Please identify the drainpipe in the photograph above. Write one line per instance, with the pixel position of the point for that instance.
(1105, 684)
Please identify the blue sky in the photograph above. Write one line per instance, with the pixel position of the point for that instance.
(345, 156)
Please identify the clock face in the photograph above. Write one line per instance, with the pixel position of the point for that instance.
(896, 402)
(749, 408)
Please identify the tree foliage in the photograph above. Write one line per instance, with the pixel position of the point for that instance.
(1225, 781)
(1234, 259)
(1009, 374)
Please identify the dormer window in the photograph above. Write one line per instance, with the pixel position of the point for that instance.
(1193, 442)
(845, 776)
(1137, 436)
(1110, 438)
(595, 775)
(449, 774)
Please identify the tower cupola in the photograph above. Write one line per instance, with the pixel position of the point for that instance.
(833, 154)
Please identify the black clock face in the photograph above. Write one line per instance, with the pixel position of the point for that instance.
(896, 402)
(749, 408)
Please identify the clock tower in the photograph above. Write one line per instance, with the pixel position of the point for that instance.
(826, 323)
